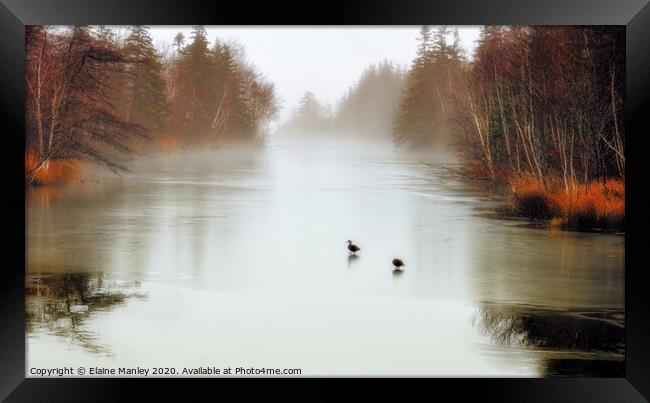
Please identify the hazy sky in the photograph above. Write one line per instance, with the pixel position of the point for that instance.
(323, 60)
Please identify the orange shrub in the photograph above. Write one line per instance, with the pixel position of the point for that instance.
(30, 162)
(55, 172)
(593, 205)
(587, 206)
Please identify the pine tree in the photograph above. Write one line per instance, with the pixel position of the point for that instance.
(144, 82)
(195, 97)
(309, 117)
(310, 111)
(106, 35)
(424, 54)
(456, 51)
(216, 95)
(488, 33)
(417, 116)
(421, 116)
(369, 106)
(441, 50)
(179, 41)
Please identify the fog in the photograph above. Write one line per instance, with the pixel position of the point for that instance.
(324, 60)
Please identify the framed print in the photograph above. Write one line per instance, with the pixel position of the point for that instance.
(248, 200)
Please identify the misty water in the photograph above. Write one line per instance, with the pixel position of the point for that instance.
(237, 258)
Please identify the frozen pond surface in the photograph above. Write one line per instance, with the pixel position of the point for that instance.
(237, 258)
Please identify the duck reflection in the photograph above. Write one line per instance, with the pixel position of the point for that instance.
(570, 343)
(351, 259)
(60, 304)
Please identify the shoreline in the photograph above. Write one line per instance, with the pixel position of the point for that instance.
(579, 210)
(589, 208)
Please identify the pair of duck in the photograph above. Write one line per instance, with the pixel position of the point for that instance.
(398, 263)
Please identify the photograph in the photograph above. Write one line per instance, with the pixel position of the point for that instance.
(325, 201)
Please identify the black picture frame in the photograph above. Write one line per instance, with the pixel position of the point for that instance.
(634, 14)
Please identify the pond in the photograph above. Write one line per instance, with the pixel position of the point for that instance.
(237, 258)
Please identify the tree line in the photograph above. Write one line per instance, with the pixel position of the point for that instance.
(540, 108)
(365, 111)
(421, 117)
(546, 102)
(543, 101)
(215, 93)
(409, 106)
(92, 95)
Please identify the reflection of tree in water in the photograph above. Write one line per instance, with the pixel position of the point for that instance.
(572, 343)
(60, 304)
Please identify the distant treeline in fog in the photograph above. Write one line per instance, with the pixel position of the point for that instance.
(389, 102)
(93, 95)
(365, 111)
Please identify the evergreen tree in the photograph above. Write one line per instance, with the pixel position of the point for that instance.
(425, 48)
(144, 83)
(441, 51)
(456, 51)
(179, 41)
(417, 116)
(309, 117)
(106, 35)
(489, 33)
(216, 95)
(369, 106)
(195, 97)
(310, 111)
(420, 119)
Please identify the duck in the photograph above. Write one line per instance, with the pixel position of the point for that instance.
(398, 263)
(353, 248)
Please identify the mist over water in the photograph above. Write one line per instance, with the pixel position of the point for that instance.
(237, 257)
